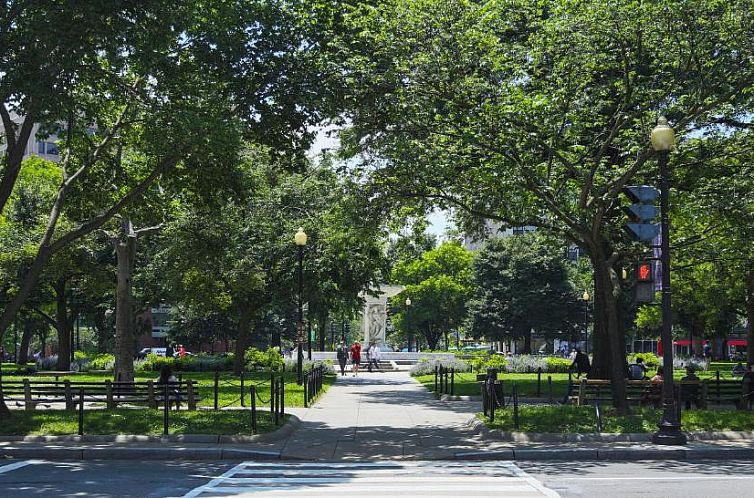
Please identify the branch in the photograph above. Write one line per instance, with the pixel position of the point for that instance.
(148, 230)
(47, 317)
(104, 217)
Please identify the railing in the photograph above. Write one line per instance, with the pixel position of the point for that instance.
(313, 382)
(445, 380)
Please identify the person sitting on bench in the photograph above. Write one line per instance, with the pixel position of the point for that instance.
(637, 370)
(167, 377)
(581, 363)
(690, 392)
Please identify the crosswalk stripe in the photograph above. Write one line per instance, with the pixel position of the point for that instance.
(13, 466)
(389, 479)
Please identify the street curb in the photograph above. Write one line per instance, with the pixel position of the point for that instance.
(610, 454)
(481, 428)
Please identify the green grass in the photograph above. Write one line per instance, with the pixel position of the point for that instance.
(229, 388)
(466, 384)
(138, 421)
(582, 419)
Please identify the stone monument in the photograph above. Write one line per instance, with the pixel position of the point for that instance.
(375, 315)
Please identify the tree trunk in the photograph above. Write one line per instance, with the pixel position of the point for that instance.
(610, 350)
(243, 337)
(62, 323)
(125, 250)
(23, 349)
(322, 326)
(750, 312)
(527, 339)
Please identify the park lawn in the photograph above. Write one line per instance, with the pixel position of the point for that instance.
(564, 419)
(526, 384)
(229, 386)
(134, 421)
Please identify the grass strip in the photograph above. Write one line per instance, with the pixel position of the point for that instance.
(567, 419)
(135, 421)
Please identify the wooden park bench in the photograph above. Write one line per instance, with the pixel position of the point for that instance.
(642, 392)
(151, 393)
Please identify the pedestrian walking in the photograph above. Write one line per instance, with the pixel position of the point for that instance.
(373, 356)
(343, 357)
(355, 357)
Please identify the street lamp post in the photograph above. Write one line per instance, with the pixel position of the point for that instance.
(408, 305)
(585, 296)
(300, 239)
(669, 428)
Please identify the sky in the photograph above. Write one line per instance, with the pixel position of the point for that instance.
(438, 219)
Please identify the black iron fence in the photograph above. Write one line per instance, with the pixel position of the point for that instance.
(445, 380)
(313, 382)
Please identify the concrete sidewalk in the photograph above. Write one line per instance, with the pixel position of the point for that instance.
(378, 416)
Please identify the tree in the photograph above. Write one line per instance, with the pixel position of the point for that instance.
(439, 285)
(521, 284)
(538, 114)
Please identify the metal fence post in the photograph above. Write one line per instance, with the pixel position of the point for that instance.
(276, 401)
(217, 387)
(252, 394)
(515, 406)
(243, 391)
(282, 394)
(81, 411)
(491, 396)
(306, 397)
(549, 387)
(539, 382)
(436, 372)
(452, 381)
(165, 417)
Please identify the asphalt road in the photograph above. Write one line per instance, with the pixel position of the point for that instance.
(687, 479)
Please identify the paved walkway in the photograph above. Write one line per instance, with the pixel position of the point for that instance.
(381, 415)
(378, 417)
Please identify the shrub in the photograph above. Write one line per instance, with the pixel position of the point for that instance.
(558, 365)
(271, 359)
(427, 367)
(525, 363)
(104, 361)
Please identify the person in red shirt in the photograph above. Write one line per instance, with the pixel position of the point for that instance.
(355, 357)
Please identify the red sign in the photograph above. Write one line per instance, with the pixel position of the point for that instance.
(644, 272)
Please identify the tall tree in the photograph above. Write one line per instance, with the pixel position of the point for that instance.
(538, 113)
(521, 284)
(439, 286)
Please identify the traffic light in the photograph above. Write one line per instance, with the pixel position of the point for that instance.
(642, 212)
(645, 287)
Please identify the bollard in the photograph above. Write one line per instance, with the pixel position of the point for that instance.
(81, 411)
(243, 391)
(515, 405)
(549, 387)
(539, 382)
(252, 394)
(165, 417)
(217, 387)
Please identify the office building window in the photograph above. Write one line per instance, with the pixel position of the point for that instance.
(41, 147)
(52, 149)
